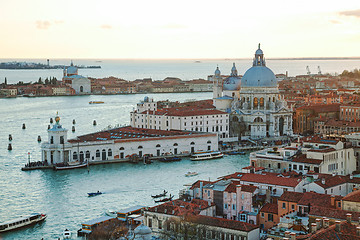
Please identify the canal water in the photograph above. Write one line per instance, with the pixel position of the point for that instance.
(63, 195)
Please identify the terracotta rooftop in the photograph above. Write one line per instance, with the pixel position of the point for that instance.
(197, 184)
(331, 213)
(303, 159)
(185, 111)
(319, 108)
(330, 181)
(270, 208)
(353, 196)
(231, 188)
(222, 223)
(271, 178)
(317, 199)
(291, 196)
(248, 188)
(181, 208)
(347, 232)
(127, 133)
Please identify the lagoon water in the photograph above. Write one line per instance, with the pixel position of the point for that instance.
(185, 69)
(63, 195)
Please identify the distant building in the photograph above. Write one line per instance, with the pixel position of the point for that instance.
(80, 84)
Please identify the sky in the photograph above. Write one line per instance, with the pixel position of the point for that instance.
(192, 29)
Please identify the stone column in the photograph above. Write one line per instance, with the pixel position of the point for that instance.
(61, 152)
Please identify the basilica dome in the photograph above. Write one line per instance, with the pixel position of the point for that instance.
(259, 75)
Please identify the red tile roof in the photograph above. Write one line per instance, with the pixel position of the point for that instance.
(185, 112)
(353, 196)
(231, 188)
(271, 178)
(222, 223)
(337, 214)
(347, 232)
(291, 197)
(248, 188)
(130, 133)
(270, 208)
(197, 184)
(181, 208)
(303, 159)
(331, 181)
(317, 199)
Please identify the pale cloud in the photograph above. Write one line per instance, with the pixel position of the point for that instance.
(43, 25)
(106, 26)
(353, 13)
(335, 22)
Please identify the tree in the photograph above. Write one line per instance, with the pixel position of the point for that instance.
(46, 81)
(5, 83)
(40, 81)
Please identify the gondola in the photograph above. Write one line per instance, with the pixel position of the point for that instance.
(169, 159)
(164, 199)
(159, 195)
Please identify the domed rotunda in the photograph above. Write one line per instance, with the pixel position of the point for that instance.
(258, 110)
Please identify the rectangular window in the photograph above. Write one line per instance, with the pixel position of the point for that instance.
(150, 222)
(284, 205)
(270, 217)
(225, 205)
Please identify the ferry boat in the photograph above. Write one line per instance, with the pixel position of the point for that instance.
(206, 156)
(22, 222)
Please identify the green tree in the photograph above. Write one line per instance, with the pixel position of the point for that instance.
(40, 81)
(5, 82)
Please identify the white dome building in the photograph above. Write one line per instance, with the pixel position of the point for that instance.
(261, 110)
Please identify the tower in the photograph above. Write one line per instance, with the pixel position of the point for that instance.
(217, 89)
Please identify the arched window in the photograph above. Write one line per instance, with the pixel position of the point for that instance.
(98, 153)
(261, 102)
(209, 142)
(158, 145)
(87, 154)
(81, 156)
(256, 102)
(258, 119)
(192, 143)
(175, 144)
(121, 149)
(140, 147)
(81, 89)
(109, 153)
(75, 156)
(103, 154)
(51, 140)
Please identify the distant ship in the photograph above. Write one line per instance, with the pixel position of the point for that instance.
(197, 61)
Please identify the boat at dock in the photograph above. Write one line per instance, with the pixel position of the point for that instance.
(22, 222)
(200, 156)
(236, 153)
(68, 166)
(169, 159)
(164, 199)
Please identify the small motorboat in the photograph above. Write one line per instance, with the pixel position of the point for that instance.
(94, 194)
(159, 195)
(96, 102)
(236, 153)
(67, 234)
(191, 174)
(164, 199)
(111, 213)
(70, 165)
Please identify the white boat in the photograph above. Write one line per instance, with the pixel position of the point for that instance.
(70, 166)
(191, 174)
(22, 222)
(67, 234)
(206, 156)
(111, 213)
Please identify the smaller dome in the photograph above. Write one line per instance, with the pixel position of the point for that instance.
(57, 119)
(217, 71)
(142, 230)
(232, 83)
(259, 52)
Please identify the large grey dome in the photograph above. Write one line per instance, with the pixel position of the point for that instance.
(259, 76)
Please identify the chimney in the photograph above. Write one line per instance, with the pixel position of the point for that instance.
(287, 234)
(358, 231)
(267, 199)
(323, 222)
(326, 222)
(201, 190)
(313, 227)
(337, 227)
(292, 236)
(318, 223)
(348, 217)
(333, 174)
(332, 199)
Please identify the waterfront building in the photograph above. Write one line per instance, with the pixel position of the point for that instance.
(191, 117)
(312, 154)
(80, 84)
(254, 101)
(121, 143)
